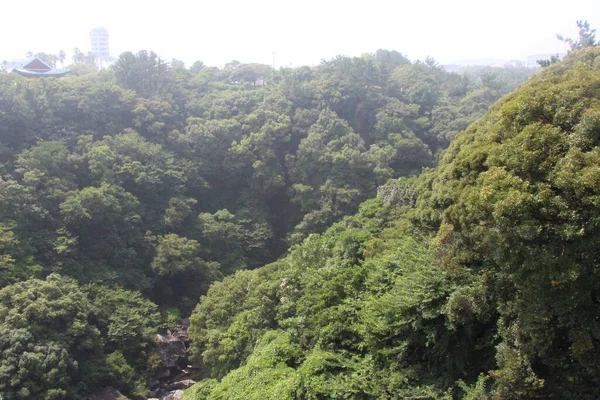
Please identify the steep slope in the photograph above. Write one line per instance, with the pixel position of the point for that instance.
(484, 269)
(516, 201)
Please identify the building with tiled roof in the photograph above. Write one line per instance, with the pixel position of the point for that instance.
(34, 67)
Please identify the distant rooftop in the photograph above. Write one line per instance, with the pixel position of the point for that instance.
(17, 64)
(34, 67)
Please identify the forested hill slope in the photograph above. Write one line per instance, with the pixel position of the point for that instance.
(174, 155)
(477, 280)
(126, 192)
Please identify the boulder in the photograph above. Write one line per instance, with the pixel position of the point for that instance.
(184, 384)
(108, 393)
(181, 331)
(154, 384)
(174, 395)
(162, 373)
(171, 350)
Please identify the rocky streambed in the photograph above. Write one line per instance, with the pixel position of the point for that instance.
(172, 375)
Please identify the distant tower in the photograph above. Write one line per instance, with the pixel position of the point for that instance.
(100, 46)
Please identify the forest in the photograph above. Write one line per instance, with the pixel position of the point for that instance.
(369, 228)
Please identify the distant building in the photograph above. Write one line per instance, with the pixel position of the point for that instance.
(532, 61)
(34, 67)
(509, 64)
(515, 64)
(100, 46)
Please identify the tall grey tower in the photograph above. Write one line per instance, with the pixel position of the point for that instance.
(100, 46)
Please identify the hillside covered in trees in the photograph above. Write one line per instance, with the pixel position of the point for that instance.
(476, 280)
(336, 271)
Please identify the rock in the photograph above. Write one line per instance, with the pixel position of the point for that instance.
(184, 384)
(154, 384)
(181, 333)
(108, 393)
(162, 373)
(171, 350)
(174, 395)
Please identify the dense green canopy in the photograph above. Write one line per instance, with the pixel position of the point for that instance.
(59, 340)
(479, 279)
(241, 196)
(101, 172)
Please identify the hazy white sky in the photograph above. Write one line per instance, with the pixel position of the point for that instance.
(301, 32)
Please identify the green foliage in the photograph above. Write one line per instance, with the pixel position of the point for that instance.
(266, 375)
(102, 228)
(158, 179)
(516, 199)
(201, 390)
(59, 340)
(144, 72)
(154, 145)
(176, 255)
(16, 259)
(44, 328)
(417, 85)
(127, 319)
(587, 37)
(477, 391)
(228, 321)
(119, 372)
(178, 212)
(336, 314)
(172, 316)
(476, 280)
(181, 272)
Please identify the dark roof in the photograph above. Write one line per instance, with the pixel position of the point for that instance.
(37, 65)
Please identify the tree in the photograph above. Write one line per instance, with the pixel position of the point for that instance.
(180, 209)
(16, 261)
(102, 233)
(587, 37)
(145, 72)
(431, 62)
(80, 57)
(196, 67)
(128, 320)
(182, 274)
(391, 58)
(60, 340)
(416, 84)
(546, 63)
(61, 57)
(175, 63)
(45, 338)
(176, 255)
(511, 202)
(256, 74)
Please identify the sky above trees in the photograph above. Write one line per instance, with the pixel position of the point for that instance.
(217, 32)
